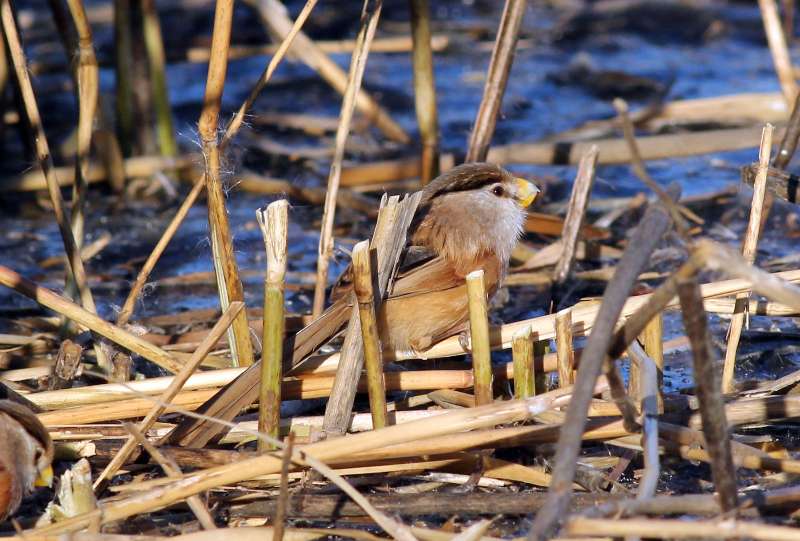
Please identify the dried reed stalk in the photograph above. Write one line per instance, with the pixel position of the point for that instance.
(564, 351)
(496, 79)
(780, 52)
(144, 273)
(87, 78)
(274, 224)
(373, 358)
(156, 58)
(229, 284)
(749, 248)
(266, 75)
(653, 342)
(576, 210)
(479, 338)
(279, 520)
(645, 238)
(59, 304)
(275, 18)
(46, 163)
(172, 470)
(522, 354)
(712, 407)
(370, 14)
(172, 391)
(425, 89)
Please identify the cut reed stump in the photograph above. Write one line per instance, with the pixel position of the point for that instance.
(522, 354)
(274, 223)
(373, 358)
(479, 338)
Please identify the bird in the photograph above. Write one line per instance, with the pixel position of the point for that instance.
(26, 453)
(468, 218)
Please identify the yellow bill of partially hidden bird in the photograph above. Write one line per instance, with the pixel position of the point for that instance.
(526, 192)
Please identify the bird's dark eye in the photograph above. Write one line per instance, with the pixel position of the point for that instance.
(498, 191)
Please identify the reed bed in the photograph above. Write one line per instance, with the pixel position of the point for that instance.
(555, 411)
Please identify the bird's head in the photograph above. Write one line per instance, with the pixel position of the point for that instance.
(473, 209)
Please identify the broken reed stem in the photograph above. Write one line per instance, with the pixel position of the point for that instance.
(87, 77)
(479, 338)
(274, 224)
(175, 386)
(358, 62)
(173, 471)
(576, 211)
(46, 163)
(279, 521)
(144, 273)
(79, 315)
(373, 358)
(564, 350)
(787, 7)
(655, 223)
(229, 284)
(496, 80)
(522, 355)
(653, 341)
(266, 75)
(779, 50)
(649, 391)
(425, 89)
(123, 72)
(712, 407)
(156, 59)
(749, 248)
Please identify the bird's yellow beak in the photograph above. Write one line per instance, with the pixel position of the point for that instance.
(45, 478)
(526, 192)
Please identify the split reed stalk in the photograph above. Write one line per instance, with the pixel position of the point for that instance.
(425, 89)
(373, 359)
(46, 163)
(564, 351)
(274, 224)
(81, 316)
(780, 52)
(522, 355)
(123, 72)
(749, 248)
(358, 62)
(174, 388)
(173, 471)
(496, 80)
(156, 58)
(227, 271)
(479, 338)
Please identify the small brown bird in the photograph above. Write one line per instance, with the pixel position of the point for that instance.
(25, 455)
(469, 218)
